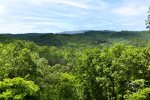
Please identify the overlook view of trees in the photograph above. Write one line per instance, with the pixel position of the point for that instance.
(93, 65)
(114, 72)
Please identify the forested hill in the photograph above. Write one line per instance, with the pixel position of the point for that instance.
(83, 66)
(87, 37)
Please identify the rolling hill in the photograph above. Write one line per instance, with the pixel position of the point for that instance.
(87, 37)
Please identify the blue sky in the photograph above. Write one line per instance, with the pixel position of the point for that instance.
(21, 16)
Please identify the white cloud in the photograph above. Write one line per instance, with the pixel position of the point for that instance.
(63, 15)
(69, 14)
(39, 26)
(81, 4)
(3, 10)
(35, 18)
(130, 10)
(71, 3)
(15, 27)
(76, 4)
(2, 20)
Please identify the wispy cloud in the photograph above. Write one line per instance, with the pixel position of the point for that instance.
(64, 15)
(3, 10)
(130, 10)
(71, 3)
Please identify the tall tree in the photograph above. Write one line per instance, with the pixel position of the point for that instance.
(148, 20)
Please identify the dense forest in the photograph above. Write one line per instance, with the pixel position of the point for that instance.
(94, 65)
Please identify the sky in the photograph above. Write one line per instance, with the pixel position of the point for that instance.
(47, 16)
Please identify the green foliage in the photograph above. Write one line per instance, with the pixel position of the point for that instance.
(85, 69)
(107, 73)
(19, 60)
(69, 87)
(53, 55)
(58, 84)
(148, 20)
(141, 94)
(17, 89)
(88, 38)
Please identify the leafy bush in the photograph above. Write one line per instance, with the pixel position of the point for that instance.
(17, 88)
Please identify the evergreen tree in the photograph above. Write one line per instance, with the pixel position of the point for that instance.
(148, 20)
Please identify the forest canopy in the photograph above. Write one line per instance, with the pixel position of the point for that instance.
(114, 71)
(94, 65)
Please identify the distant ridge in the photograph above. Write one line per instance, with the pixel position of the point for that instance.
(73, 32)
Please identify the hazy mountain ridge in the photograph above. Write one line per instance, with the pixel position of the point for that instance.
(90, 37)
